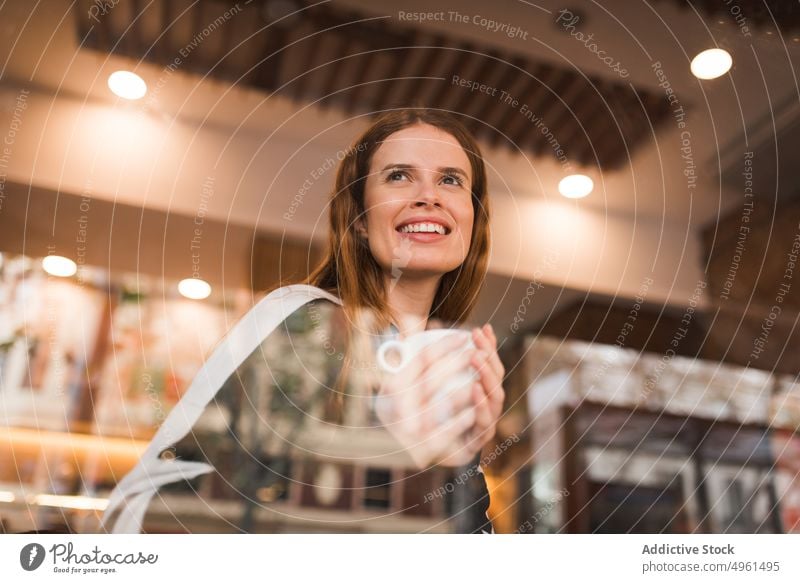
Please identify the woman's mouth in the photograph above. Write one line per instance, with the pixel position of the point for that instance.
(423, 232)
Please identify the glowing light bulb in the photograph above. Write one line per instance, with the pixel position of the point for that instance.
(575, 186)
(711, 63)
(194, 288)
(59, 266)
(127, 85)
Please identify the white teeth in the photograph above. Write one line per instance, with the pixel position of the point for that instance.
(423, 228)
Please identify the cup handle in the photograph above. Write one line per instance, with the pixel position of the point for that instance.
(385, 347)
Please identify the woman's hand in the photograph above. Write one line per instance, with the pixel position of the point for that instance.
(487, 394)
(430, 427)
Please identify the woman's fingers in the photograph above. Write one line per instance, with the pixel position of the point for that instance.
(485, 336)
(489, 347)
(484, 413)
(486, 372)
(488, 394)
(496, 398)
(490, 333)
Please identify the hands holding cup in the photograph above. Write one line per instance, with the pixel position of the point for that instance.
(443, 393)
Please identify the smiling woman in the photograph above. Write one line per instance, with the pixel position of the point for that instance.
(408, 248)
(409, 241)
(411, 170)
(410, 165)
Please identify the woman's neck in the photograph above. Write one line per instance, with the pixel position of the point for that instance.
(410, 302)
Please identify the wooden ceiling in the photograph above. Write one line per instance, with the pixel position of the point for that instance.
(761, 14)
(359, 64)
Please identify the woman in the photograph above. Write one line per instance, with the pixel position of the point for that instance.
(412, 170)
(409, 239)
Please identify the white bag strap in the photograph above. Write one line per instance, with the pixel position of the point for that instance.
(136, 489)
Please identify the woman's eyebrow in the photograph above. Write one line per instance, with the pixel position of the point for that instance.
(453, 170)
(442, 170)
(397, 167)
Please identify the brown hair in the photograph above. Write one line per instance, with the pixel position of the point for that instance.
(350, 271)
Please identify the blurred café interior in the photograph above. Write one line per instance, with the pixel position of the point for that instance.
(163, 163)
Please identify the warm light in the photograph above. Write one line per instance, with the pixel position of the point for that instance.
(194, 289)
(575, 186)
(127, 85)
(711, 64)
(6, 496)
(59, 266)
(76, 502)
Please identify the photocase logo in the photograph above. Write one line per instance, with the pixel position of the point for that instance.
(31, 556)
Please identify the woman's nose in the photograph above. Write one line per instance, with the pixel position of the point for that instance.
(428, 192)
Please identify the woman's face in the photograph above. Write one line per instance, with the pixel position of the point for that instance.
(418, 203)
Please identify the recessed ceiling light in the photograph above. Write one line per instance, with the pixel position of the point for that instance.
(711, 63)
(575, 186)
(59, 266)
(194, 288)
(127, 85)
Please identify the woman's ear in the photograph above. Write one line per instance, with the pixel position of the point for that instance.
(361, 228)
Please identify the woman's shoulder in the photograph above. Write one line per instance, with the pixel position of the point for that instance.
(309, 298)
(316, 323)
(313, 314)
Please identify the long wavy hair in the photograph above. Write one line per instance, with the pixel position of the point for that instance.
(349, 269)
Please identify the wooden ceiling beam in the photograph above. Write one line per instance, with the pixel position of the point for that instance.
(164, 44)
(534, 84)
(334, 71)
(465, 55)
(635, 122)
(466, 102)
(434, 52)
(298, 89)
(372, 32)
(572, 108)
(266, 73)
(197, 62)
(137, 37)
(402, 57)
(355, 98)
(570, 126)
(603, 143)
(103, 36)
(224, 58)
(506, 74)
(513, 83)
(541, 96)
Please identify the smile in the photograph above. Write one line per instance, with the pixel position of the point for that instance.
(424, 228)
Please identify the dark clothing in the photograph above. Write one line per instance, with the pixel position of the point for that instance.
(284, 438)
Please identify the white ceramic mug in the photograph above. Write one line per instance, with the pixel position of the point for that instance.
(411, 347)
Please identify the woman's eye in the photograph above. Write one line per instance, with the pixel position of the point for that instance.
(452, 180)
(396, 175)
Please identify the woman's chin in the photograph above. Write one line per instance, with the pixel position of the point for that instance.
(420, 271)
